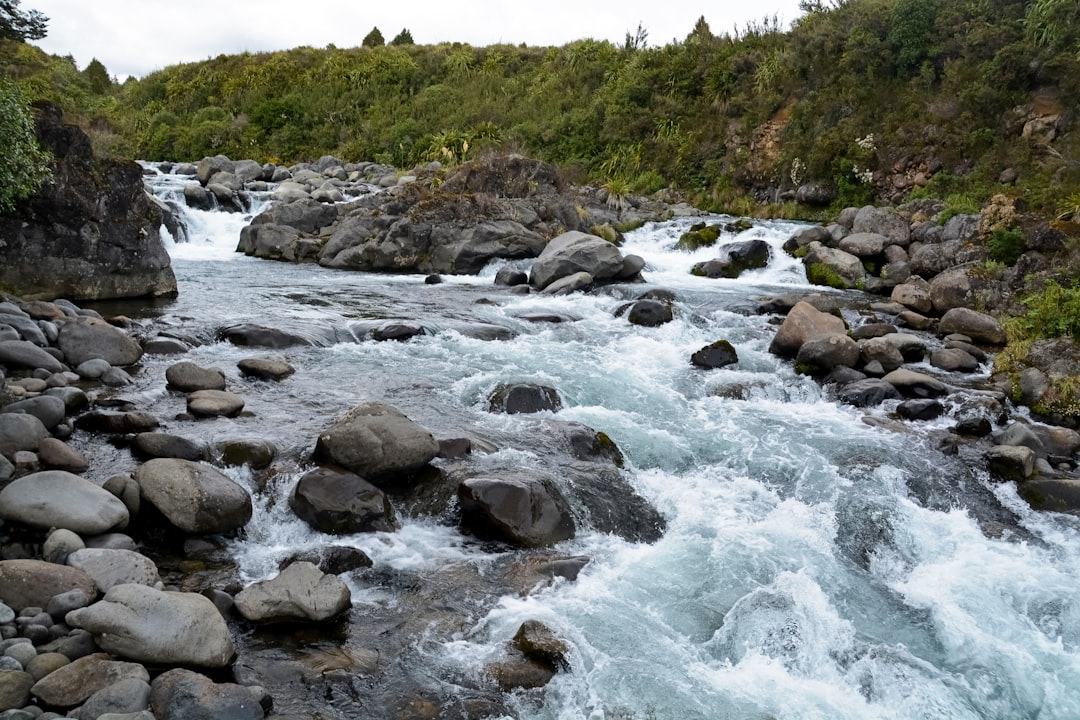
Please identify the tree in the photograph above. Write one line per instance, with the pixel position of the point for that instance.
(403, 38)
(20, 26)
(639, 40)
(23, 165)
(98, 77)
(373, 38)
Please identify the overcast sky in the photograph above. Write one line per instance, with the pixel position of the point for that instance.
(136, 37)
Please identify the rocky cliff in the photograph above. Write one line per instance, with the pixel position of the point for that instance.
(90, 233)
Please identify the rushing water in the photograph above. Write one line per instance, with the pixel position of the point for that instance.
(814, 566)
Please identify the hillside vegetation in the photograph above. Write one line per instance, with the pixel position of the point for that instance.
(861, 100)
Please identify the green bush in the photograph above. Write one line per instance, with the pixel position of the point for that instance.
(1006, 246)
(23, 165)
(1055, 312)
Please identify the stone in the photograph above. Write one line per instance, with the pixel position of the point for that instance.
(735, 259)
(883, 352)
(913, 296)
(715, 355)
(915, 384)
(334, 559)
(650, 313)
(108, 568)
(538, 642)
(24, 354)
(1051, 494)
(884, 221)
(520, 674)
(1010, 462)
(569, 284)
(953, 360)
(147, 446)
(165, 346)
(60, 605)
(59, 544)
(55, 498)
(73, 683)
(188, 377)
(45, 663)
(510, 277)
(803, 322)
(923, 409)
(93, 369)
(185, 695)
(159, 627)
(341, 503)
(823, 353)
(32, 583)
(833, 268)
(194, 497)
(867, 393)
(377, 442)
(265, 368)
(301, 592)
(19, 431)
(518, 398)
(214, 403)
(522, 510)
(131, 695)
(118, 423)
(90, 338)
(46, 408)
(864, 244)
(75, 400)
(248, 335)
(14, 689)
(980, 327)
(574, 252)
(911, 347)
(58, 455)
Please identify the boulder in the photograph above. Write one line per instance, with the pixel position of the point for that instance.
(574, 252)
(510, 276)
(1051, 494)
(46, 408)
(822, 353)
(248, 335)
(24, 354)
(883, 221)
(90, 338)
(867, 393)
(265, 368)
(20, 432)
(915, 384)
(924, 409)
(214, 403)
(521, 509)
(517, 398)
(377, 442)
(158, 627)
(881, 350)
(537, 641)
(833, 268)
(341, 503)
(569, 284)
(256, 453)
(1011, 462)
(914, 296)
(802, 323)
(123, 697)
(108, 568)
(188, 377)
(57, 455)
(32, 583)
(399, 330)
(185, 695)
(980, 327)
(735, 259)
(15, 690)
(333, 559)
(865, 244)
(55, 498)
(715, 355)
(953, 360)
(147, 446)
(73, 683)
(192, 496)
(650, 313)
(301, 592)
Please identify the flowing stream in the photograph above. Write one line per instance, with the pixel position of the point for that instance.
(813, 566)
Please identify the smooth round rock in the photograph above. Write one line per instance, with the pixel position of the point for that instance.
(55, 498)
(214, 403)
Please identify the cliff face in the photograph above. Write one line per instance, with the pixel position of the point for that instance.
(90, 233)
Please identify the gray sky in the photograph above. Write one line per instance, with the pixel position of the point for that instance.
(136, 37)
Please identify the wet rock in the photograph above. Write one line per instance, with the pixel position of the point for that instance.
(24, 354)
(823, 353)
(803, 322)
(538, 642)
(60, 605)
(574, 252)
(46, 408)
(715, 355)
(341, 503)
(165, 346)
(397, 330)
(147, 446)
(115, 422)
(14, 689)
(524, 398)
(1022, 435)
(120, 698)
(569, 284)
(334, 559)
(265, 368)
(59, 544)
(1053, 494)
(301, 592)
(185, 695)
(108, 568)
(520, 674)
(867, 393)
(56, 455)
(914, 384)
(248, 335)
(924, 409)
(19, 432)
(75, 400)
(377, 442)
(75, 682)
(872, 330)
(188, 377)
(650, 313)
(1010, 462)
(911, 347)
(154, 626)
(32, 583)
(978, 326)
(882, 351)
(258, 454)
(214, 403)
(520, 509)
(55, 498)
(194, 497)
(735, 259)
(90, 338)
(510, 277)
(953, 360)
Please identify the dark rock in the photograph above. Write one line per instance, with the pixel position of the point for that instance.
(509, 276)
(455, 448)
(1052, 494)
(433, 280)
(146, 446)
(650, 313)
(973, 427)
(538, 642)
(867, 393)
(716, 355)
(524, 398)
(377, 442)
(954, 360)
(588, 444)
(107, 421)
(194, 497)
(256, 453)
(334, 559)
(341, 503)
(188, 377)
(24, 354)
(522, 509)
(872, 330)
(520, 674)
(820, 354)
(184, 695)
(736, 258)
(924, 409)
(248, 335)
(92, 232)
(1010, 462)
(397, 330)
(19, 432)
(265, 368)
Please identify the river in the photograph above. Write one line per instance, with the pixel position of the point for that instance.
(813, 566)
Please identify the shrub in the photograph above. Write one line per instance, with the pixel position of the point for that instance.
(1006, 246)
(1055, 312)
(23, 165)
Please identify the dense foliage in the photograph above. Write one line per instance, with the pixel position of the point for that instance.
(867, 99)
(18, 25)
(23, 165)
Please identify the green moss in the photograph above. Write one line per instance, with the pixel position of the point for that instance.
(821, 274)
(607, 232)
(625, 227)
(699, 236)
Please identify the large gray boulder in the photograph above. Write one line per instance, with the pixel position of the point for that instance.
(123, 697)
(50, 410)
(75, 682)
(55, 498)
(185, 695)
(883, 221)
(19, 431)
(159, 627)
(341, 503)
(574, 252)
(301, 592)
(802, 323)
(377, 442)
(89, 337)
(521, 509)
(25, 354)
(186, 376)
(823, 353)
(33, 583)
(980, 327)
(193, 496)
(108, 567)
(864, 244)
(833, 268)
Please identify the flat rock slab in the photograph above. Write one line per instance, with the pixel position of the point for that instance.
(214, 403)
(55, 498)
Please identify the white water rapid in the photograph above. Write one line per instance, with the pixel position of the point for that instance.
(813, 566)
